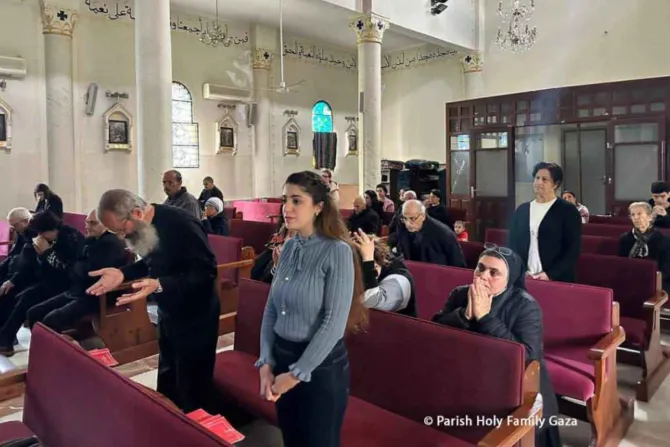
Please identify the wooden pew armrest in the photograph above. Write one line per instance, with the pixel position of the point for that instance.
(5, 242)
(515, 426)
(656, 301)
(235, 265)
(12, 384)
(608, 344)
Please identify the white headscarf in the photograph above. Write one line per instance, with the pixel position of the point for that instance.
(215, 203)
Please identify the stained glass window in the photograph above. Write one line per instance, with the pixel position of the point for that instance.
(322, 117)
(185, 140)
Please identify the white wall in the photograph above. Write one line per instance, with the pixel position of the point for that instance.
(104, 53)
(26, 164)
(580, 42)
(338, 87)
(413, 109)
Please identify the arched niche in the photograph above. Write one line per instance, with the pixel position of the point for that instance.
(118, 129)
(292, 137)
(5, 126)
(352, 138)
(227, 133)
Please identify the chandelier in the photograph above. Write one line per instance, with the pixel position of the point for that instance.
(518, 37)
(214, 34)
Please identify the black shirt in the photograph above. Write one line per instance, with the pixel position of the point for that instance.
(441, 214)
(367, 220)
(207, 194)
(106, 251)
(659, 251)
(216, 225)
(183, 262)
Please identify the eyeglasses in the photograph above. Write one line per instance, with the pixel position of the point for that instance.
(493, 247)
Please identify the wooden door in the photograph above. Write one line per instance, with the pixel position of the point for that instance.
(636, 154)
(492, 185)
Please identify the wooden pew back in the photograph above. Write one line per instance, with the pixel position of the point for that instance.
(591, 243)
(494, 386)
(5, 236)
(253, 296)
(258, 211)
(73, 400)
(253, 234)
(75, 220)
(227, 250)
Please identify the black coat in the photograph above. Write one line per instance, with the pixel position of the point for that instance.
(52, 203)
(207, 194)
(368, 221)
(434, 244)
(103, 252)
(216, 225)
(659, 251)
(10, 265)
(440, 213)
(559, 239)
(56, 263)
(514, 316)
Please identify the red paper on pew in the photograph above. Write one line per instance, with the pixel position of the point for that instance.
(103, 356)
(217, 424)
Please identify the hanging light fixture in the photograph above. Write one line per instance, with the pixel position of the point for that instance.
(215, 35)
(519, 36)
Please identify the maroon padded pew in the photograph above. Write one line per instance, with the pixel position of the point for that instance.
(75, 220)
(637, 289)
(72, 400)
(601, 245)
(253, 234)
(257, 211)
(579, 356)
(380, 413)
(5, 239)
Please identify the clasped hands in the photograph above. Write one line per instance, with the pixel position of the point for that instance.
(273, 387)
(479, 300)
(111, 278)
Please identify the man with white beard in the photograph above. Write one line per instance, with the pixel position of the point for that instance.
(179, 271)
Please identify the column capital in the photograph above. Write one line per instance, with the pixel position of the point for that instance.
(57, 20)
(369, 28)
(262, 59)
(472, 63)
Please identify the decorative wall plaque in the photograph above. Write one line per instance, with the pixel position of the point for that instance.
(226, 132)
(118, 129)
(291, 134)
(352, 136)
(5, 126)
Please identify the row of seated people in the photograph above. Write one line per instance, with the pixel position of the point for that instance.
(45, 276)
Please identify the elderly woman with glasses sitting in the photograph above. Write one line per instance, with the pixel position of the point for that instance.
(497, 304)
(644, 241)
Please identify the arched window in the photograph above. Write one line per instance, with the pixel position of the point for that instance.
(322, 117)
(185, 144)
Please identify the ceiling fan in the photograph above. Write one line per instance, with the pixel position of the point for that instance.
(283, 87)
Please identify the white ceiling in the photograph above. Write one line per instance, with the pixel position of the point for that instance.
(313, 19)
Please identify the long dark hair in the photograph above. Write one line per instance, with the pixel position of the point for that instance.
(328, 224)
(43, 188)
(375, 204)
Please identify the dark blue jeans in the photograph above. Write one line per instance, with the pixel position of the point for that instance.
(311, 414)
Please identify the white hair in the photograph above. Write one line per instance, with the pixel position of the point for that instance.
(414, 204)
(120, 202)
(409, 195)
(19, 214)
(645, 205)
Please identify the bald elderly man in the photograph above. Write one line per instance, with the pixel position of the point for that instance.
(364, 218)
(18, 219)
(102, 249)
(396, 221)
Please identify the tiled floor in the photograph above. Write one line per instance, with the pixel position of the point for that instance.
(650, 429)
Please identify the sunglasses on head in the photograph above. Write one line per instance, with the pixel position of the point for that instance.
(489, 246)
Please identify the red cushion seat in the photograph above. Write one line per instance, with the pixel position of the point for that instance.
(636, 332)
(571, 372)
(9, 431)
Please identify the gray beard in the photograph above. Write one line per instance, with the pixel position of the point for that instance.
(144, 240)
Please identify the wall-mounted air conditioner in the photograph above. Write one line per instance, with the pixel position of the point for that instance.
(228, 94)
(12, 67)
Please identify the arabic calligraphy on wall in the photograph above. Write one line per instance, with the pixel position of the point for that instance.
(313, 53)
(121, 9)
(410, 58)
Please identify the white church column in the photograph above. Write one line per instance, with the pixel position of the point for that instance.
(153, 78)
(472, 71)
(262, 159)
(369, 29)
(58, 26)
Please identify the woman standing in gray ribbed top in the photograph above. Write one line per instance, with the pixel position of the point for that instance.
(316, 296)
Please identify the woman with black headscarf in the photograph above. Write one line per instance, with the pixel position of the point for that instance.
(497, 304)
(644, 241)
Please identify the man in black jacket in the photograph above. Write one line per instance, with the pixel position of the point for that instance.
(363, 218)
(179, 271)
(660, 202)
(57, 247)
(18, 219)
(210, 190)
(424, 239)
(436, 210)
(101, 249)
